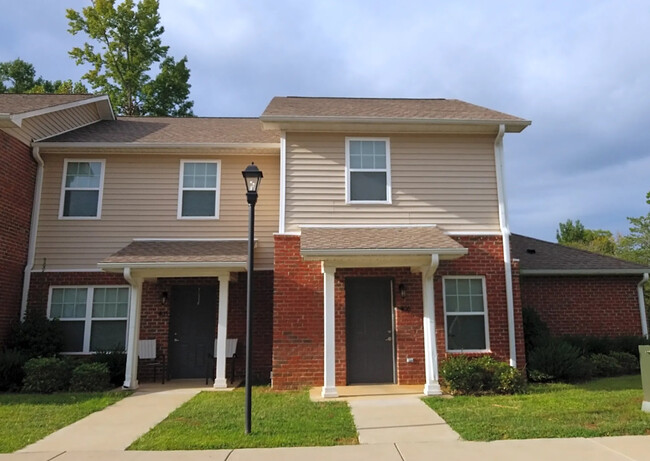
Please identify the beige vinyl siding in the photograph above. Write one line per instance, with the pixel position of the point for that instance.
(140, 200)
(53, 123)
(448, 180)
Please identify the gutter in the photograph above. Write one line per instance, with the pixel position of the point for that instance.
(33, 230)
(505, 233)
(644, 320)
(583, 271)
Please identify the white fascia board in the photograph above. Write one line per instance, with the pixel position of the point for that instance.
(165, 265)
(155, 145)
(364, 226)
(385, 252)
(405, 121)
(18, 118)
(154, 239)
(583, 271)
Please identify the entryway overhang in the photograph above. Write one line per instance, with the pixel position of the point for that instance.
(150, 259)
(419, 247)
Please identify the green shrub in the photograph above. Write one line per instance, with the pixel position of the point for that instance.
(90, 377)
(483, 375)
(628, 362)
(629, 344)
(605, 365)
(589, 345)
(116, 362)
(46, 375)
(11, 370)
(558, 361)
(36, 336)
(536, 332)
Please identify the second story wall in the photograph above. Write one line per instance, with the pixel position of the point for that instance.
(140, 200)
(448, 180)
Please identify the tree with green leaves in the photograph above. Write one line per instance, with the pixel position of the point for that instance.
(636, 245)
(19, 76)
(129, 39)
(577, 236)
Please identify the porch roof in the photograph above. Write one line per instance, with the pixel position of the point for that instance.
(383, 245)
(231, 254)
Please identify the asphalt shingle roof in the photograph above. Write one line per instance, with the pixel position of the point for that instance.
(181, 251)
(169, 130)
(538, 255)
(21, 103)
(382, 108)
(375, 238)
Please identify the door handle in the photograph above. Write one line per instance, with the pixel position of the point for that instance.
(389, 339)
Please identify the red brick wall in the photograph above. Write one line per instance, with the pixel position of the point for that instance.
(154, 321)
(298, 320)
(17, 178)
(586, 305)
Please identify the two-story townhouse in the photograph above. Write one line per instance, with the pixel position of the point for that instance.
(380, 239)
(393, 248)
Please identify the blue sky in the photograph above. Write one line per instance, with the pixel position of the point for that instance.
(579, 70)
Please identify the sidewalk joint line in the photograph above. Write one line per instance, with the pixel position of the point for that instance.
(56, 456)
(398, 452)
(610, 449)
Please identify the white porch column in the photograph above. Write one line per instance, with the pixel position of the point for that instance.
(329, 372)
(431, 386)
(220, 381)
(131, 372)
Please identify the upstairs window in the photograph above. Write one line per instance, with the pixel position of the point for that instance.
(465, 314)
(198, 196)
(368, 170)
(83, 182)
(92, 318)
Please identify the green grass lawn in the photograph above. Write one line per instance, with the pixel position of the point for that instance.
(213, 420)
(26, 418)
(603, 407)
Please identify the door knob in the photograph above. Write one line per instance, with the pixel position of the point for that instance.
(389, 339)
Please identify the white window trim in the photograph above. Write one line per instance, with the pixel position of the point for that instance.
(217, 189)
(389, 194)
(101, 189)
(88, 319)
(485, 313)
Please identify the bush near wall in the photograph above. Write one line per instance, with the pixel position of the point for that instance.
(90, 377)
(478, 376)
(576, 357)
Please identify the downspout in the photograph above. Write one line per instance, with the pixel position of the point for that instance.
(33, 229)
(505, 235)
(283, 181)
(644, 320)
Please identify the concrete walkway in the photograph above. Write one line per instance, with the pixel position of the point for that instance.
(396, 427)
(120, 424)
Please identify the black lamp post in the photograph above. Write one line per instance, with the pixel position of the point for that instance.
(252, 178)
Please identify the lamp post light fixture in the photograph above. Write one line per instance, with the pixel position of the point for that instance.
(252, 178)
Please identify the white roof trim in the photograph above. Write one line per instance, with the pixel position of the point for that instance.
(18, 118)
(349, 119)
(365, 226)
(165, 145)
(178, 265)
(384, 251)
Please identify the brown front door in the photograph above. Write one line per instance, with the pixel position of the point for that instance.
(191, 330)
(369, 330)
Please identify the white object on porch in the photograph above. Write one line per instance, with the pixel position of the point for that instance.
(147, 349)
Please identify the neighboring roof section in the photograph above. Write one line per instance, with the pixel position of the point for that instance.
(155, 131)
(36, 117)
(179, 252)
(377, 240)
(546, 258)
(385, 110)
(21, 103)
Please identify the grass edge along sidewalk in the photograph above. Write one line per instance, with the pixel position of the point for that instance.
(215, 420)
(602, 407)
(27, 418)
